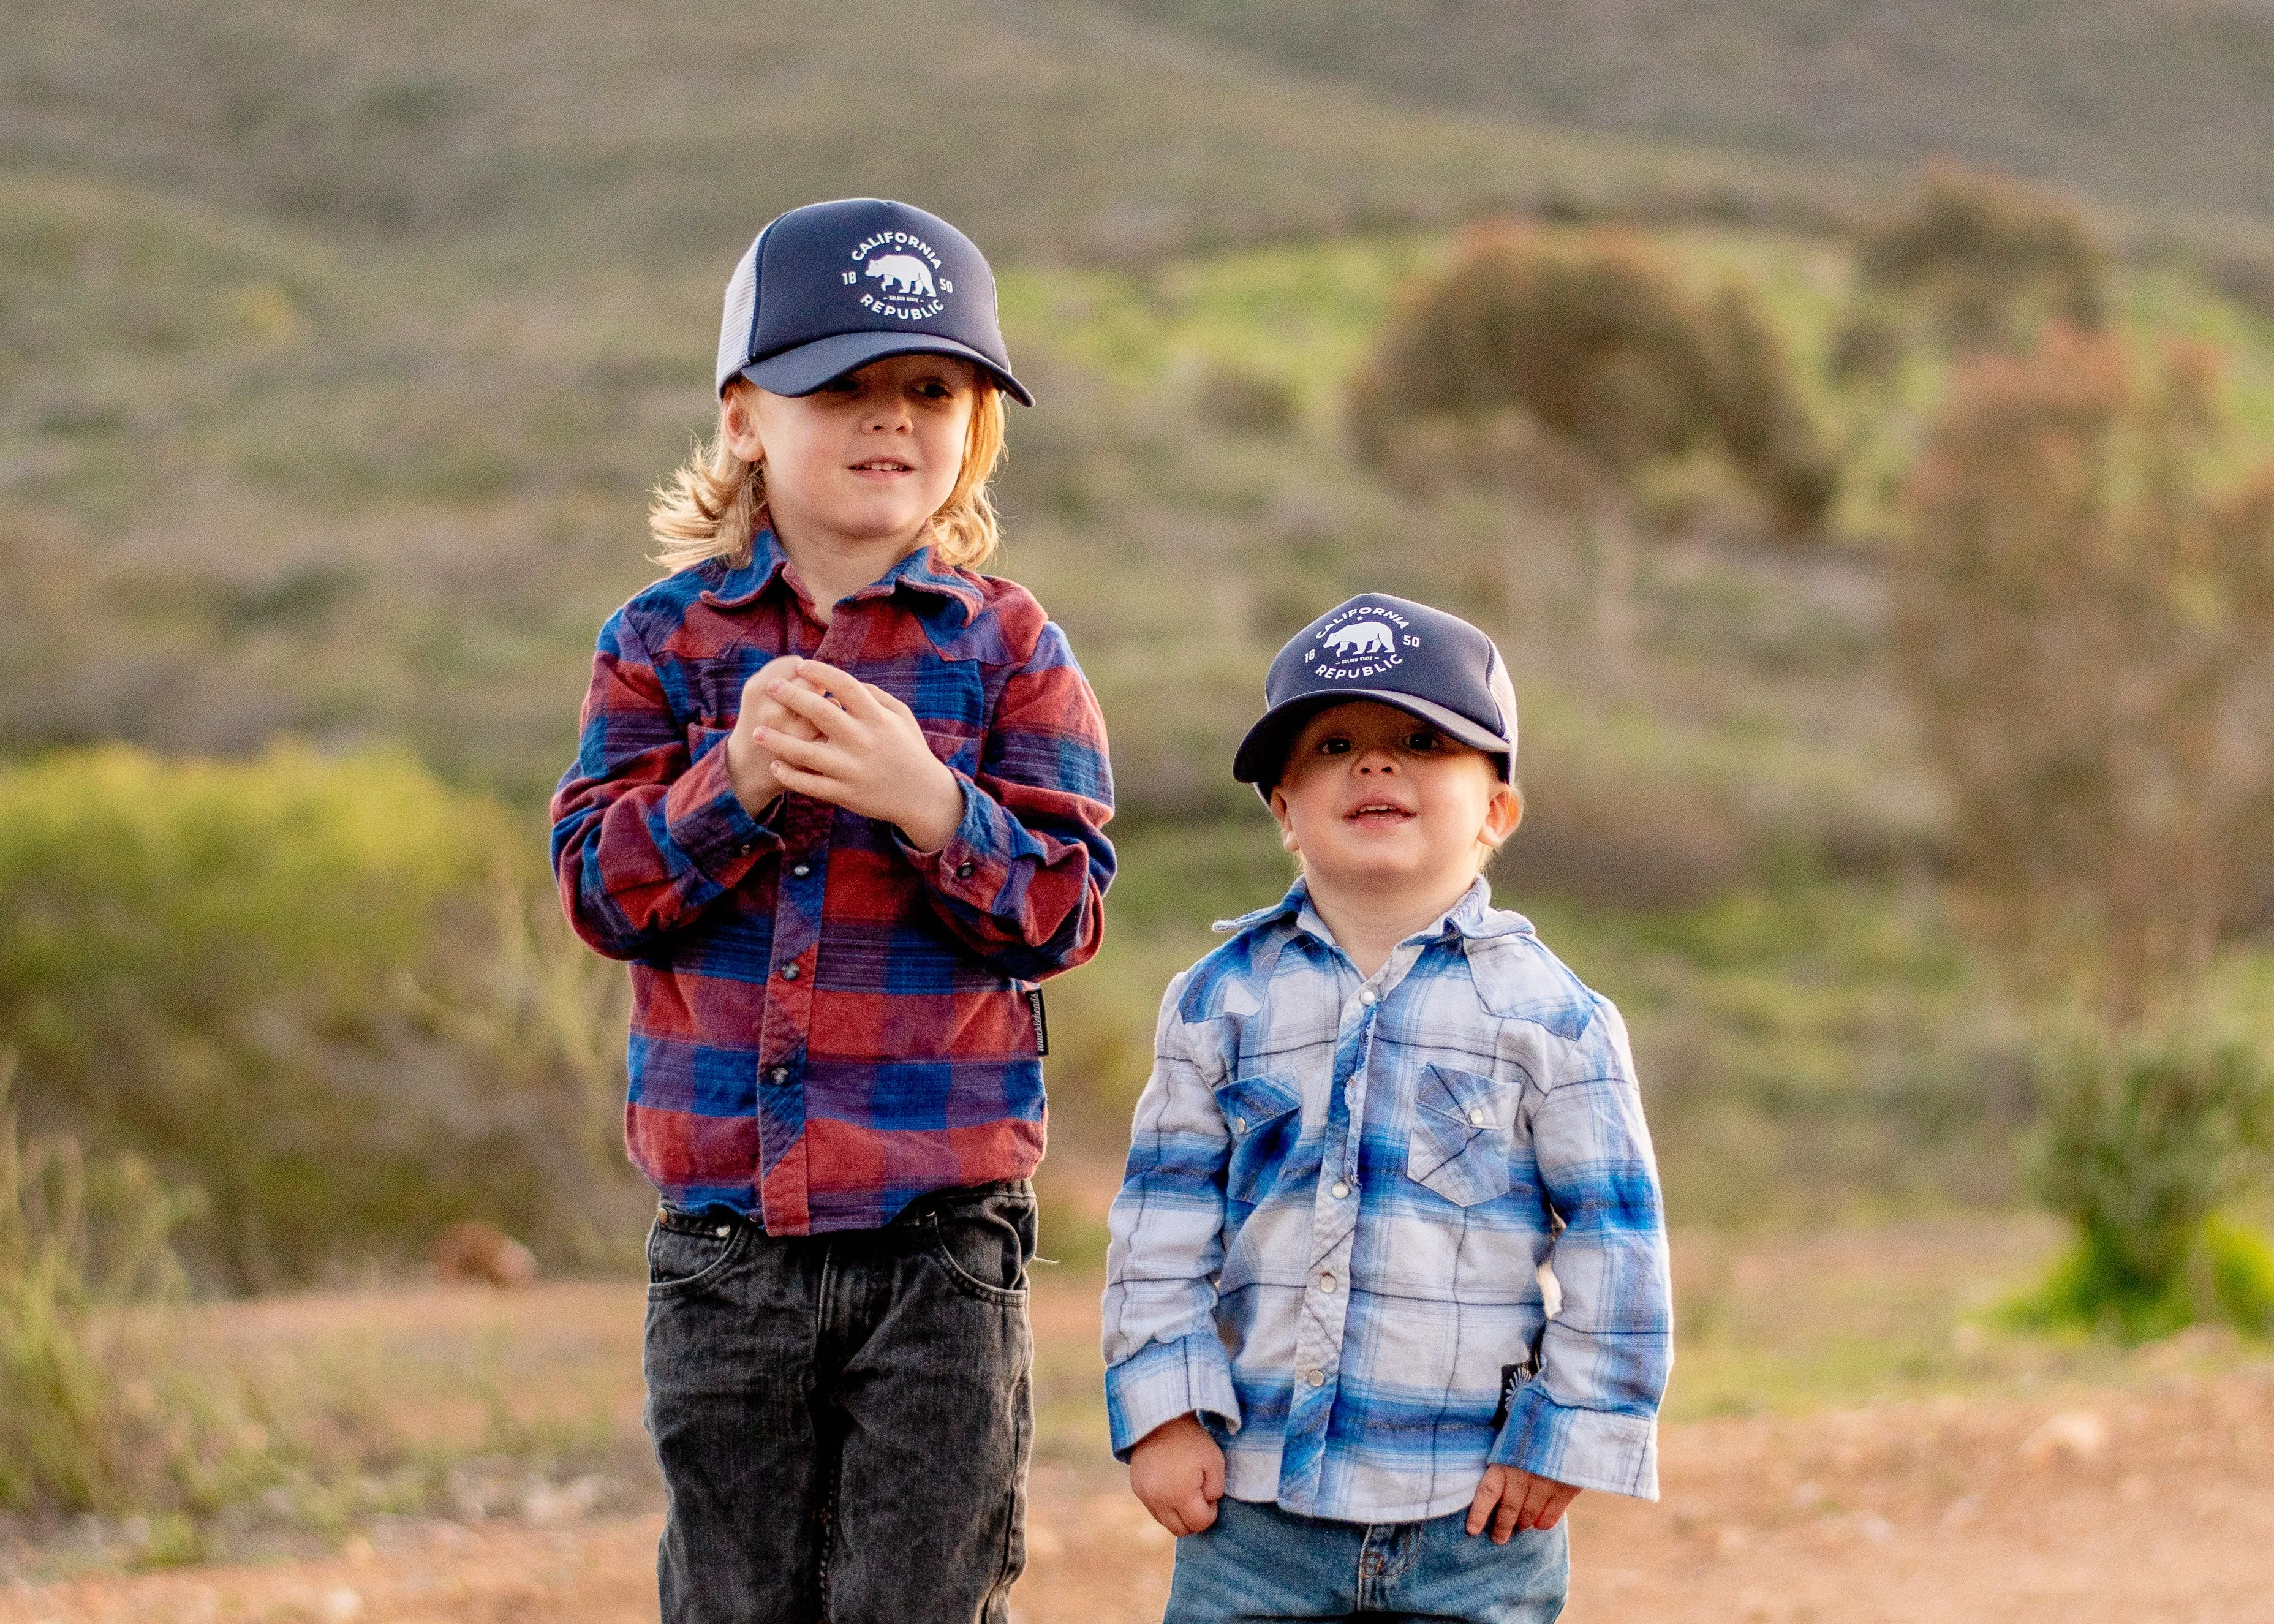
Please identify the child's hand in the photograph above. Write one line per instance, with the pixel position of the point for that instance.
(1178, 1471)
(749, 764)
(861, 750)
(1525, 1501)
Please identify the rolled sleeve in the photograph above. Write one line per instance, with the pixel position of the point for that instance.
(1162, 1380)
(1586, 1449)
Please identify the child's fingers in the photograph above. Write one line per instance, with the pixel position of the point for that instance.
(842, 686)
(811, 703)
(1488, 1496)
(812, 755)
(818, 785)
(1509, 1517)
(1539, 1493)
(1558, 1503)
(1196, 1512)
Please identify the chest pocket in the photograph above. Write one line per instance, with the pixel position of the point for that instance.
(1463, 1135)
(1265, 1116)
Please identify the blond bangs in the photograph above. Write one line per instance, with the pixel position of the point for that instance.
(711, 507)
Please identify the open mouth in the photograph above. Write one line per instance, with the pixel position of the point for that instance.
(1377, 814)
(882, 465)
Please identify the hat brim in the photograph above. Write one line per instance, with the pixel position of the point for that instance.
(1262, 755)
(806, 368)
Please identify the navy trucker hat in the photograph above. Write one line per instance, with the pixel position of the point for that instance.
(831, 287)
(1423, 661)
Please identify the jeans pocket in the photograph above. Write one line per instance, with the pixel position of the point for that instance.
(984, 1248)
(1265, 1116)
(684, 1256)
(1463, 1135)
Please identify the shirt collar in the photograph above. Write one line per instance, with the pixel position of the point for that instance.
(1473, 917)
(919, 572)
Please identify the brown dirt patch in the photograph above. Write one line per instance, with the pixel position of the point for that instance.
(2136, 1491)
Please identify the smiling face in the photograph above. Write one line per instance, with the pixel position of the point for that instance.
(866, 459)
(1380, 802)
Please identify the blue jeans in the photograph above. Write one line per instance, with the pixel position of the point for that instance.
(1257, 1562)
(842, 1419)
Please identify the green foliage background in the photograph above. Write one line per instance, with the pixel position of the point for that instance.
(339, 346)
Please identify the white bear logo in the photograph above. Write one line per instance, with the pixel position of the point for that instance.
(1359, 637)
(901, 274)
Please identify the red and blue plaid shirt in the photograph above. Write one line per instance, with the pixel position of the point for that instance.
(827, 1023)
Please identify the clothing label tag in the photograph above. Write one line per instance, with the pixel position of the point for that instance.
(1511, 1377)
(1041, 1021)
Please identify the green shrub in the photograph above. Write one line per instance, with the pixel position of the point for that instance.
(312, 988)
(1988, 261)
(2145, 1140)
(1599, 344)
(76, 1236)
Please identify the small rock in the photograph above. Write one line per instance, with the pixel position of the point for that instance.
(1960, 1512)
(1808, 1497)
(1874, 1526)
(482, 1254)
(2072, 1435)
(342, 1605)
(548, 1507)
(1729, 1539)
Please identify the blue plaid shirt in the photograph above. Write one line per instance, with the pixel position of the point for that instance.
(1339, 1196)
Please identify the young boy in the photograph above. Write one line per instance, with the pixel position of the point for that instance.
(840, 802)
(1375, 1112)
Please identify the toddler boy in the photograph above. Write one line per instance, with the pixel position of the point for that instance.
(1375, 1111)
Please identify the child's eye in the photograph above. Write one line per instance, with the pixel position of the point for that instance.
(1333, 747)
(1422, 741)
(841, 385)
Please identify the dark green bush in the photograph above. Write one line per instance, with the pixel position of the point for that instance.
(1601, 345)
(2145, 1141)
(1987, 260)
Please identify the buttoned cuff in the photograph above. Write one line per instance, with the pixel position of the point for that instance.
(1162, 1380)
(1586, 1449)
(969, 868)
(707, 822)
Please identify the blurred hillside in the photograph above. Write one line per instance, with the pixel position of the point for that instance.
(339, 346)
(2160, 105)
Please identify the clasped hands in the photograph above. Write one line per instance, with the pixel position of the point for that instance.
(1177, 1470)
(811, 728)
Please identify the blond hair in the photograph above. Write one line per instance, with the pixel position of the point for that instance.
(711, 507)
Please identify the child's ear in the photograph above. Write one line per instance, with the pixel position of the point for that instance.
(1502, 813)
(1286, 827)
(738, 421)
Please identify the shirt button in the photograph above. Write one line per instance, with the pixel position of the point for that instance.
(1239, 1124)
(1476, 1117)
(1365, 995)
(801, 871)
(1325, 1282)
(1341, 1190)
(789, 973)
(724, 1231)
(1316, 1378)
(780, 1074)
(964, 870)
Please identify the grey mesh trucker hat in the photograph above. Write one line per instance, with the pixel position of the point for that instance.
(830, 286)
(1423, 661)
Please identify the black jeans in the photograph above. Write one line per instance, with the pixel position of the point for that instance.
(843, 1420)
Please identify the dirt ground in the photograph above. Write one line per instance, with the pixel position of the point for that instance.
(2144, 1493)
